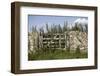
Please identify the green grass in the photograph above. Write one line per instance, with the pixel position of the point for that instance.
(55, 54)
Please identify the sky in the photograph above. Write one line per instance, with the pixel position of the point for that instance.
(41, 20)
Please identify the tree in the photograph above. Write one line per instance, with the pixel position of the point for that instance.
(77, 27)
(86, 27)
(41, 30)
(65, 27)
(81, 27)
(34, 29)
(55, 28)
(59, 29)
(47, 28)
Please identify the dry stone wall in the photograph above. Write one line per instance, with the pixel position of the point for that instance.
(74, 39)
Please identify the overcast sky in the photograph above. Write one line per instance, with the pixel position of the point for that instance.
(41, 20)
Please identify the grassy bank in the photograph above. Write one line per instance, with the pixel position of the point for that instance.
(56, 54)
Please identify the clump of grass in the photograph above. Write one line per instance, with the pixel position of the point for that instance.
(78, 52)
